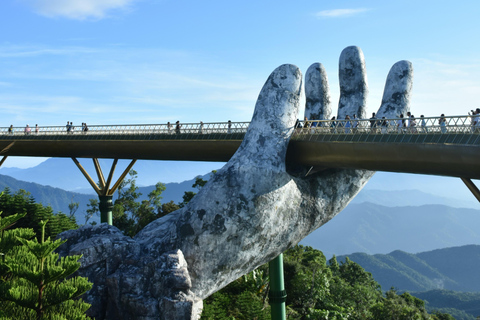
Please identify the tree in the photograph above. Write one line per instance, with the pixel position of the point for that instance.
(400, 307)
(130, 215)
(22, 202)
(34, 282)
(316, 290)
(93, 209)
(72, 207)
(199, 183)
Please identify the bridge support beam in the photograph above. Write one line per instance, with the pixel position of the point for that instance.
(106, 207)
(472, 187)
(277, 295)
(102, 188)
(3, 160)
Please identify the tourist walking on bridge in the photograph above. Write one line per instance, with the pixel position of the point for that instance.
(373, 123)
(348, 125)
(400, 122)
(423, 124)
(476, 121)
(177, 127)
(333, 126)
(413, 124)
(443, 123)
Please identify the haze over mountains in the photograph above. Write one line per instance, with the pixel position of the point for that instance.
(412, 213)
(412, 232)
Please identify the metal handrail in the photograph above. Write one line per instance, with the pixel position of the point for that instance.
(447, 129)
(455, 129)
(212, 130)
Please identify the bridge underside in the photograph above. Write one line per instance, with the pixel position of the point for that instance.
(437, 158)
(434, 159)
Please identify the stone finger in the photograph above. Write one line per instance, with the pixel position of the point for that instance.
(317, 93)
(265, 143)
(352, 76)
(397, 92)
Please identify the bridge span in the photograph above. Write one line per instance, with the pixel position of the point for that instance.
(447, 146)
(452, 149)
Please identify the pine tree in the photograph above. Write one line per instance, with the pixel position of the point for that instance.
(36, 284)
(22, 202)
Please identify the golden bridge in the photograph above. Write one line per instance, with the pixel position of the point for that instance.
(446, 146)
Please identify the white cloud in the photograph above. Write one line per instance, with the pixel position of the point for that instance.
(337, 13)
(76, 9)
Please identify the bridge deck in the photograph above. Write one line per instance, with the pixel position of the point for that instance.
(454, 154)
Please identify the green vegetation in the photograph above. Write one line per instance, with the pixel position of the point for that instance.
(461, 305)
(22, 202)
(131, 215)
(34, 282)
(424, 271)
(315, 290)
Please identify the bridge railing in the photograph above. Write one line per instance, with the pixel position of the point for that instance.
(216, 130)
(455, 128)
(445, 129)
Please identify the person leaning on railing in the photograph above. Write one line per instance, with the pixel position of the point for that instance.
(423, 124)
(476, 121)
(443, 123)
(347, 125)
(333, 126)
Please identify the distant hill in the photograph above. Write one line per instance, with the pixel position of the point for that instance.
(361, 227)
(59, 199)
(63, 173)
(461, 305)
(411, 197)
(423, 189)
(453, 268)
(372, 228)
(56, 198)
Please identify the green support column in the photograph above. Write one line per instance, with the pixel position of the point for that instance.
(106, 207)
(277, 295)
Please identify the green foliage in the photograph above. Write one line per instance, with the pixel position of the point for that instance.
(306, 281)
(34, 282)
(316, 290)
(401, 307)
(245, 298)
(72, 208)
(199, 183)
(130, 215)
(93, 209)
(461, 305)
(23, 202)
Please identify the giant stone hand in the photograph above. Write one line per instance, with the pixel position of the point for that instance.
(252, 209)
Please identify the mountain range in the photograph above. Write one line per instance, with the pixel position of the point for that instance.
(410, 204)
(62, 173)
(452, 268)
(412, 232)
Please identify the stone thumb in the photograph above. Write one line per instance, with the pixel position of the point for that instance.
(276, 111)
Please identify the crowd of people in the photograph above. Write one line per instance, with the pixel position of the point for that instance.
(403, 124)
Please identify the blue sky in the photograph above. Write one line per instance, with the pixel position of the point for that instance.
(153, 61)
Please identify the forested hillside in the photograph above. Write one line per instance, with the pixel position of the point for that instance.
(372, 228)
(453, 268)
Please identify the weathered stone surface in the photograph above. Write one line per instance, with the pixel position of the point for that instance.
(317, 93)
(250, 211)
(352, 76)
(398, 88)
